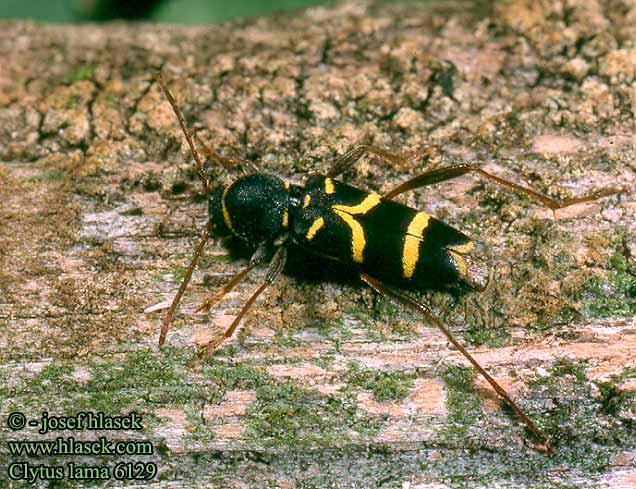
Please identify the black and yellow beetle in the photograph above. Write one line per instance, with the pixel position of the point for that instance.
(387, 243)
(357, 228)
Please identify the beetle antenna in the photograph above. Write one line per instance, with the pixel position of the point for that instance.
(200, 167)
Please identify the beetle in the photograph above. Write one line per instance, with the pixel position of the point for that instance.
(389, 245)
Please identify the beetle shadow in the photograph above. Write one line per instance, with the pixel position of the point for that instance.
(301, 265)
(311, 269)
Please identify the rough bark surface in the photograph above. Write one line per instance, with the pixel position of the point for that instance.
(326, 385)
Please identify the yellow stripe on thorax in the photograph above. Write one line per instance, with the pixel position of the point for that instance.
(346, 213)
(412, 240)
(226, 214)
(314, 228)
(285, 218)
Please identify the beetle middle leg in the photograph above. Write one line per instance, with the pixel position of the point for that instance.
(416, 306)
(350, 157)
(236, 279)
(453, 171)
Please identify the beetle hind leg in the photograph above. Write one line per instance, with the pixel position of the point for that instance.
(416, 306)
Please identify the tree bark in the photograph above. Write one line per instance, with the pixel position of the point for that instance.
(325, 385)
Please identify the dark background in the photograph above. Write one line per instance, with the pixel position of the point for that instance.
(175, 11)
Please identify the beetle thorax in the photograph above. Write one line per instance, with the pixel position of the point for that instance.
(253, 208)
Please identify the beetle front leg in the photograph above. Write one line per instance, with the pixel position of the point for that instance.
(275, 268)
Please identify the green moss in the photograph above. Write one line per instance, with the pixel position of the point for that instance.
(618, 402)
(142, 378)
(179, 274)
(567, 315)
(625, 373)
(73, 100)
(337, 332)
(54, 373)
(85, 72)
(384, 385)
(383, 318)
(37, 393)
(577, 417)
(325, 360)
(385, 307)
(587, 428)
(610, 297)
(51, 175)
(512, 117)
(288, 416)
(285, 338)
(563, 367)
(228, 350)
(615, 294)
(227, 377)
(357, 311)
(566, 367)
(219, 377)
(322, 481)
(5, 388)
(143, 381)
(493, 201)
(462, 401)
(492, 337)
